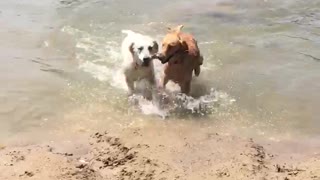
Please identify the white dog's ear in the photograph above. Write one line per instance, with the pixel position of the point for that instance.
(131, 48)
(155, 46)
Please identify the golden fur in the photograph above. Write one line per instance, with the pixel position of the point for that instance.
(181, 53)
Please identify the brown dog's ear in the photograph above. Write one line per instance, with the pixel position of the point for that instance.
(131, 48)
(183, 43)
(155, 46)
(180, 40)
(178, 28)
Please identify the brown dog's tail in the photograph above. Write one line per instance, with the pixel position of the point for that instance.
(197, 69)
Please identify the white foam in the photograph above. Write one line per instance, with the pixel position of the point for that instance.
(99, 72)
(148, 107)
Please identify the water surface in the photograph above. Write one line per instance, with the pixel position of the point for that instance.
(60, 64)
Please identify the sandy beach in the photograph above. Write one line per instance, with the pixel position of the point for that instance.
(138, 154)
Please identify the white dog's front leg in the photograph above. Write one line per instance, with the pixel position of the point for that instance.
(130, 84)
(152, 80)
(164, 82)
(151, 87)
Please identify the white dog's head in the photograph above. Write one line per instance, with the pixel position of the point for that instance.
(144, 48)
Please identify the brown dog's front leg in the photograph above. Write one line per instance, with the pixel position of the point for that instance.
(197, 70)
(185, 87)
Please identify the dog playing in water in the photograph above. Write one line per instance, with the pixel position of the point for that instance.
(181, 53)
(138, 52)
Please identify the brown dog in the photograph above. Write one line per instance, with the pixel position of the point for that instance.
(181, 53)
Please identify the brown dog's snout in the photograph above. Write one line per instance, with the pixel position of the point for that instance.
(162, 58)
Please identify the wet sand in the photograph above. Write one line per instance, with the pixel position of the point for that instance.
(140, 154)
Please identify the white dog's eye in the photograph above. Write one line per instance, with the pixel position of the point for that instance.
(150, 48)
(140, 49)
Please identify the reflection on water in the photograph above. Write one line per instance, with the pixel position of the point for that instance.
(263, 54)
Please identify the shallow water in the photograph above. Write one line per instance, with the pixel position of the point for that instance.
(60, 65)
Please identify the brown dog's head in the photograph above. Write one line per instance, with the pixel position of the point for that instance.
(171, 44)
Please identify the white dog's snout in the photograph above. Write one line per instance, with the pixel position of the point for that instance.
(144, 57)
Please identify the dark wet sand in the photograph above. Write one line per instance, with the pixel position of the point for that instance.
(139, 154)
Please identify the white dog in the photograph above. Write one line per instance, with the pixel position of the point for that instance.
(138, 51)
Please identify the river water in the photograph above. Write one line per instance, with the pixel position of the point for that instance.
(60, 63)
